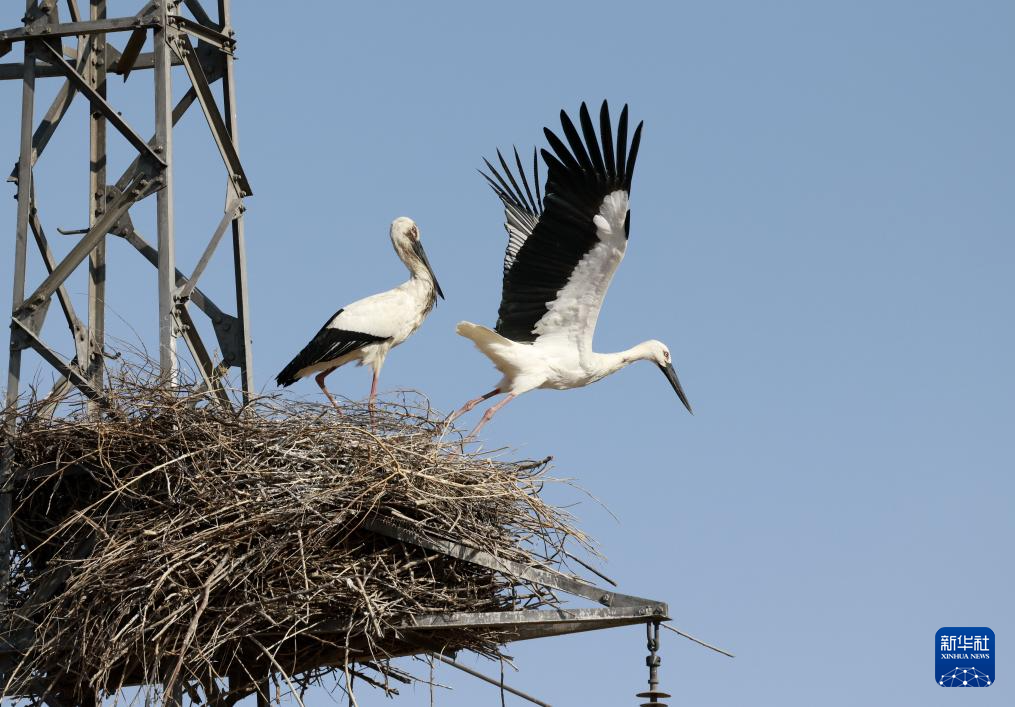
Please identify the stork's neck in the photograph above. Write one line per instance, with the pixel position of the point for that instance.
(421, 282)
(414, 265)
(609, 363)
(418, 271)
(421, 288)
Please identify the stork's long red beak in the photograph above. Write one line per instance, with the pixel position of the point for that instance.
(671, 376)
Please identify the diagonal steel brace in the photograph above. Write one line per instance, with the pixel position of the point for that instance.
(233, 210)
(555, 580)
(58, 109)
(101, 104)
(219, 132)
(77, 329)
(85, 246)
(20, 330)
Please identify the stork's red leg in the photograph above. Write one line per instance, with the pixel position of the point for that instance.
(320, 381)
(471, 404)
(488, 415)
(373, 395)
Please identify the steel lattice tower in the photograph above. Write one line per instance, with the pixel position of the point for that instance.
(76, 41)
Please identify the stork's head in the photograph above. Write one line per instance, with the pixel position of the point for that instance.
(657, 352)
(405, 239)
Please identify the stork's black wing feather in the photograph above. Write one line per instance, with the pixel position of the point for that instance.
(521, 211)
(327, 345)
(545, 245)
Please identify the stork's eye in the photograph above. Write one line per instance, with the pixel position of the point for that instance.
(666, 355)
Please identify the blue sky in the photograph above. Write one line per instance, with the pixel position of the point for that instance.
(822, 232)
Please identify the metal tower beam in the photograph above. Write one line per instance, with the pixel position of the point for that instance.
(96, 76)
(164, 205)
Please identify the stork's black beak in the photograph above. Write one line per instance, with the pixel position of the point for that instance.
(417, 248)
(671, 376)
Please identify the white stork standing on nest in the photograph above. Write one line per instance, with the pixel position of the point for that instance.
(366, 330)
(562, 252)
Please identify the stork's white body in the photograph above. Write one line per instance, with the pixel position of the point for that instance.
(392, 316)
(366, 330)
(561, 357)
(546, 364)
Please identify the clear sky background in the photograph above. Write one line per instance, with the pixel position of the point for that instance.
(822, 232)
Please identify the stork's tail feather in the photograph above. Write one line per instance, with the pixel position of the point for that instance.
(494, 346)
(479, 335)
(288, 375)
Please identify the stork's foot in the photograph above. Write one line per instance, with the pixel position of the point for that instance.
(470, 405)
(488, 415)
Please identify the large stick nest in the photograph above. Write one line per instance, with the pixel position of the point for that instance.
(170, 539)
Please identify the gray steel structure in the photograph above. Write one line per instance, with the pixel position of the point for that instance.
(94, 57)
(80, 50)
(85, 68)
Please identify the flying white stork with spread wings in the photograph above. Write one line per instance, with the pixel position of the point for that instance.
(562, 252)
(366, 330)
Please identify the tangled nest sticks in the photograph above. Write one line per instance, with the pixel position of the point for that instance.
(172, 540)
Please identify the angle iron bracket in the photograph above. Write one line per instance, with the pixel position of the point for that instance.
(230, 338)
(33, 322)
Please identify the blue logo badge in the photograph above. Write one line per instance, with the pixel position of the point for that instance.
(964, 657)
